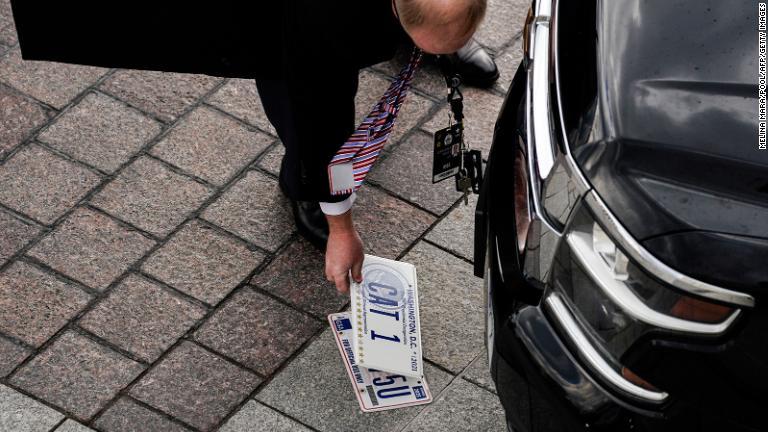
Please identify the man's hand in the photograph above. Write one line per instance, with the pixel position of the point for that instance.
(344, 252)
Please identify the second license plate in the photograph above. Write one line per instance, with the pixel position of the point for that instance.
(376, 390)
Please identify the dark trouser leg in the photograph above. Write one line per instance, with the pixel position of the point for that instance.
(312, 127)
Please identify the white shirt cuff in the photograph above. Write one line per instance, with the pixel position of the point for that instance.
(337, 208)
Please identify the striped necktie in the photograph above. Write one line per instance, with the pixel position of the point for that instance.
(354, 159)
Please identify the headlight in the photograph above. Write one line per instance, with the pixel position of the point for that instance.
(615, 302)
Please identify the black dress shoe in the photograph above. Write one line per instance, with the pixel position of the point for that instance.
(310, 221)
(475, 65)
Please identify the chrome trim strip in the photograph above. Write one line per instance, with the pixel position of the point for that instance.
(539, 123)
(533, 178)
(543, 8)
(542, 124)
(593, 357)
(653, 265)
(623, 296)
(535, 168)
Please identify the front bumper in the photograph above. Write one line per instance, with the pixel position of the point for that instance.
(544, 388)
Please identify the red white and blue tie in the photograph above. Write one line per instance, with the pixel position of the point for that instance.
(354, 159)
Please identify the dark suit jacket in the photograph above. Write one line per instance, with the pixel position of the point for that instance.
(300, 39)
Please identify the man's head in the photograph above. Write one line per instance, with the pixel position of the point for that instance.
(440, 26)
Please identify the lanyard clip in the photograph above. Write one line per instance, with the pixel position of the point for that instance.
(453, 82)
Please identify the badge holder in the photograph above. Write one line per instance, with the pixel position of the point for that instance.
(452, 156)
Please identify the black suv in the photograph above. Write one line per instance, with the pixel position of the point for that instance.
(622, 230)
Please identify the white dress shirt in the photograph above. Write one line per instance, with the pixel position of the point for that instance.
(337, 208)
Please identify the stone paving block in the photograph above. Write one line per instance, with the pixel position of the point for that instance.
(77, 374)
(315, 389)
(151, 197)
(203, 263)
(462, 407)
(481, 108)
(6, 13)
(256, 417)
(165, 95)
(451, 307)
(370, 89)
(20, 413)
(101, 131)
(72, 426)
(8, 36)
(507, 62)
(386, 224)
(272, 159)
(19, 117)
(51, 82)
(16, 234)
(456, 232)
(211, 145)
(35, 305)
(195, 386)
(11, 355)
(142, 318)
(255, 209)
(503, 21)
(256, 331)
(408, 173)
(42, 185)
(479, 373)
(128, 416)
(5, 9)
(91, 248)
(297, 275)
(240, 98)
(428, 77)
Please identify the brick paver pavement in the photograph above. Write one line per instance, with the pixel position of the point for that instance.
(151, 278)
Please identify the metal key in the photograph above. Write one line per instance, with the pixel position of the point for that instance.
(465, 185)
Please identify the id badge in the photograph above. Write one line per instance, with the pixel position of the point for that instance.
(447, 153)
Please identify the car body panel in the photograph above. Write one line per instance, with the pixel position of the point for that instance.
(681, 203)
(672, 143)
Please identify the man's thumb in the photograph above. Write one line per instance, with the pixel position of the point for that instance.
(357, 272)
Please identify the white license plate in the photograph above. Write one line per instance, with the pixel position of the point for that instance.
(385, 317)
(376, 390)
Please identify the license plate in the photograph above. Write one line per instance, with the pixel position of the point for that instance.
(376, 390)
(385, 317)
